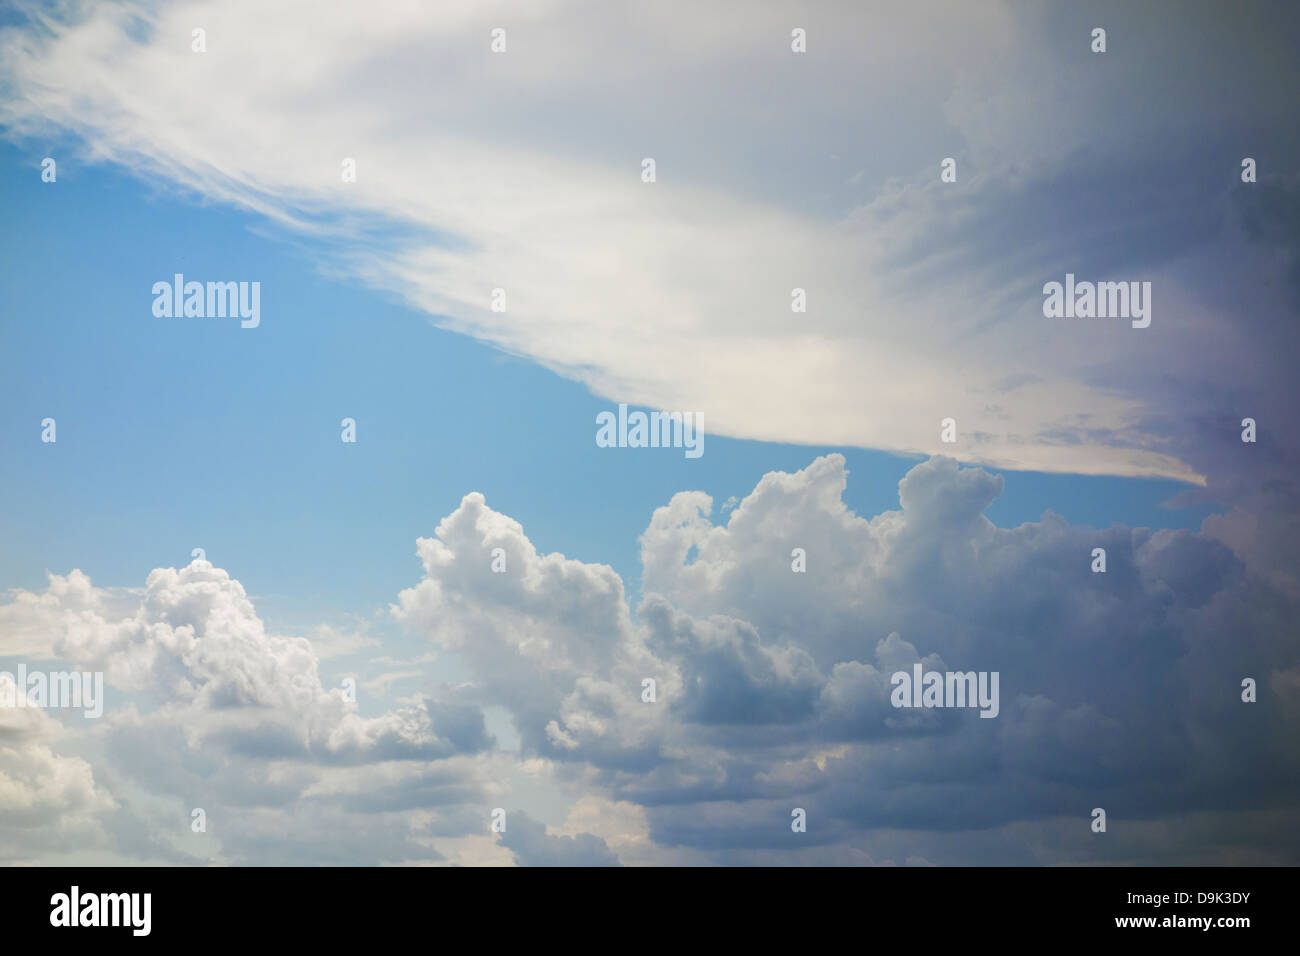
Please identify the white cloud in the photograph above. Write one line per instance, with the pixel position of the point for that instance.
(773, 685)
(521, 171)
(1117, 690)
(206, 709)
(47, 799)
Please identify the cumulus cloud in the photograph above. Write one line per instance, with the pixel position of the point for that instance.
(772, 692)
(1119, 689)
(550, 638)
(196, 643)
(209, 710)
(69, 605)
(531, 845)
(46, 798)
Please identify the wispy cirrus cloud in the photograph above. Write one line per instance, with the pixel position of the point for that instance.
(819, 171)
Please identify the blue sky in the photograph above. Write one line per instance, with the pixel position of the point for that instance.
(177, 434)
(523, 689)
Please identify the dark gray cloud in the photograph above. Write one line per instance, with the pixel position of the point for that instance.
(531, 845)
(1118, 689)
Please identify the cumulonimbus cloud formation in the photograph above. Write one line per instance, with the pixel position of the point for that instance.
(1119, 689)
(819, 171)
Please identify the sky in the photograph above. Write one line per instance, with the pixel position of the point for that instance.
(325, 560)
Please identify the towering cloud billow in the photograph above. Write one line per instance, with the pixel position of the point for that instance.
(1122, 688)
(771, 690)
